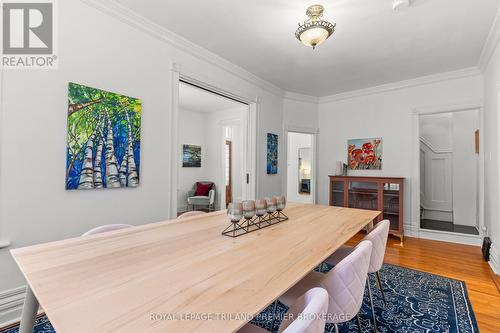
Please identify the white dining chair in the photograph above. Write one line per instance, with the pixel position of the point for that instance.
(306, 315)
(106, 228)
(378, 237)
(345, 284)
(190, 213)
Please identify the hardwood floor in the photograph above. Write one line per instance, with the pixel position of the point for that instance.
(461, 262)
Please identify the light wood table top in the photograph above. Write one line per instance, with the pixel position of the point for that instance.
(139, 279)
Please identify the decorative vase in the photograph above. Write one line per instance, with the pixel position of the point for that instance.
(260, 207)
(235, 211)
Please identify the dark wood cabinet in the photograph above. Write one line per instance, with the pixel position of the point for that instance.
(384, 194)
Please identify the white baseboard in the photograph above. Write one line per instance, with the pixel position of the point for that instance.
(494, 260)
(11, 305)
(443, 236)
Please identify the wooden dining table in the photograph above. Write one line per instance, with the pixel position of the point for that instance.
(179, 275)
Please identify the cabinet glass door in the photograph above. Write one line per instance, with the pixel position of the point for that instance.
(338, 193)
(363, 195)
(391, 204)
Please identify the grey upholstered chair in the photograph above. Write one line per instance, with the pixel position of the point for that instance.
(198, 200)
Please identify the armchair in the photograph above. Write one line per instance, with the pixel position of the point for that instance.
(197, 199)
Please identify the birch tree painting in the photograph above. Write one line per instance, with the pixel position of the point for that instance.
(103, 144)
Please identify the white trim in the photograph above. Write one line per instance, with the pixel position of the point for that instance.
(4, 244)
(458, 74)
(494, 260)
(490, 44)
(443, 236)
(301, 97)
(135, 20)
(174, 143)
(11, 305)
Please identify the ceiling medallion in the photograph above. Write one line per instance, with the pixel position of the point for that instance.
(315, 30)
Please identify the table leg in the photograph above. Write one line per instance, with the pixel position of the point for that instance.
(30, 310)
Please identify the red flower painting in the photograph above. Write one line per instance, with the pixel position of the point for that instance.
(364, 154)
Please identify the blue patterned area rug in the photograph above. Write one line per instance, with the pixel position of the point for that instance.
(416, 302)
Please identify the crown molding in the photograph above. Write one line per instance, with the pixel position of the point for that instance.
(301, 97)
(434, 78)
(490, 44)
(137, 21)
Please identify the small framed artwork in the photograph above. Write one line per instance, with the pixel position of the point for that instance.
(364, 154)
(191, 156)
(272, 154)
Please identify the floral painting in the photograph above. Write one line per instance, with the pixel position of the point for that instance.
(272, 154)
(364, 154)
(103, 140)
(191, 156)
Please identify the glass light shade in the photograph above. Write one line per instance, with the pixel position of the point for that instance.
(314, 36)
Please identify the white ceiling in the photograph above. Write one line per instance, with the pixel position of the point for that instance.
(198, 100)
(372, 44)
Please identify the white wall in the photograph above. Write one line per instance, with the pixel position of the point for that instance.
(296, 141)
(109, 54)
(491, 148)
(465, 170)
(388, 115)
(436, 130)
(299, 114)
(192, 131)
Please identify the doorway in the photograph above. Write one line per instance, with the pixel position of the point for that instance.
(300, 167)
(228, 171)
(211, 149)
(449, 171)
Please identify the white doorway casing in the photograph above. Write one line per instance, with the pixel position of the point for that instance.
(314, 167)
(414, 229)
(249, 134)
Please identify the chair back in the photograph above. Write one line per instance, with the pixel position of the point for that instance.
(190, 213)
(307, 314)
(378, 237)
(106, 228)
(346, 282)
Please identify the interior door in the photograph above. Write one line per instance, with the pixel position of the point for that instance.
(229, 173)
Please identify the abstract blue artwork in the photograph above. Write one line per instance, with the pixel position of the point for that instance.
(272, 154)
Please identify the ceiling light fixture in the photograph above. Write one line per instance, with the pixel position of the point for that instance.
(315, 30)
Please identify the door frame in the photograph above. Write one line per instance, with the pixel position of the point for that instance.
(314, 165)
(249, 127)
(414, 229)
(221, 125)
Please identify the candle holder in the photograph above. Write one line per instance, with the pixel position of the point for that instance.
(280, 206)
(255, 214)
